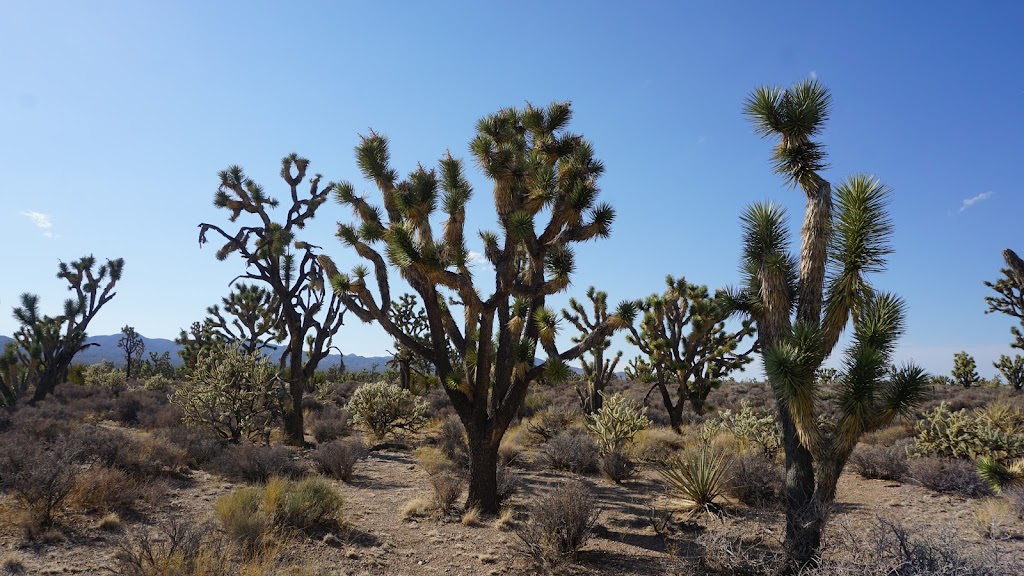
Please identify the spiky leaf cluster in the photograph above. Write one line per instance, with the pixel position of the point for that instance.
(251, 318)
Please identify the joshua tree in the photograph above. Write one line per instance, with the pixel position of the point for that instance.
(965, 371)
(844, 239)
(688, 366)
(1012, 369)
(133, 346)
(600, 370)
(1010, 288)
(412, 320)
(199, 338)
(48, 344)
(255, 318)
(545, 196)
(13, 376)
(293, 272)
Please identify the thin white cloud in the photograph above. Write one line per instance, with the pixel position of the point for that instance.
(814, 74)
(968, 202)
(42, 221)
(475, 259)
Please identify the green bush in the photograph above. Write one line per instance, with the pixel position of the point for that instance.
(229, 392)
(104, 375)
(966, 435)
(382, 408)
(617, 422)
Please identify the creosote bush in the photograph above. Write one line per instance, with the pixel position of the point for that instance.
(958, 477)
(570, 450)
(880, 462)
(559, 523)
(383, 408)
(254, 463)
(754, 480)
(338, 458)
(40, 477)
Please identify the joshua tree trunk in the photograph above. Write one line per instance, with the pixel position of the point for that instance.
(803, 524)
(483, 469)
(294, 427)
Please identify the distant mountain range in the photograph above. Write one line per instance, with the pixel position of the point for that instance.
(107, 351)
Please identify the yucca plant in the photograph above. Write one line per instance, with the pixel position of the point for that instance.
(802, 305)
(1000, 476)
(698, 478)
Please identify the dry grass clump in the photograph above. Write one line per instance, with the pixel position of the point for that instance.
(656, 446)
(471, 517)
(253, 514)
(559, 524)
(998, 519)
(11, 563)
(338, 458)
(447, 489)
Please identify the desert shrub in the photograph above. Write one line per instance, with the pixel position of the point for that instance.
(255, 463)
(447, 489)
(617, 466)
(199, 446)
(879, 462)
(549, 423)
(559, 523)
(39, 476)
(337, 393)
(157, 383)
(231, 393)
(617, 422)
(178, 549)
(452, 441)
(44, 422)
(570, 450)
(656, 446)
(330, 423)
(338, 458)
(963, 434)
(948, 476)
(754, 480)
(509, 451)
(249, 514)
(757, 429)
(383, 408)
(889, 436)
(698, 477)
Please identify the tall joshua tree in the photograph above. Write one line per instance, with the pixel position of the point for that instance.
(48, 344)
(599, 371)
(545, 196)
(293, 272)
(133, 347)
(801, 307)
(412, 320)
(687, 366)
(1010, 290)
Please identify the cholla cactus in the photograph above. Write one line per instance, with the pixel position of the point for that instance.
(382, 408)
(231, 392)
(617, 422)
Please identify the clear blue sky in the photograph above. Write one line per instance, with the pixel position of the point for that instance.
(116, 117)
